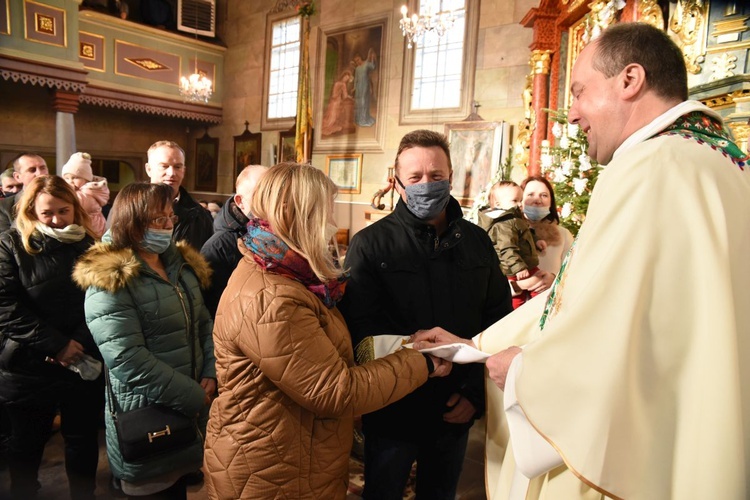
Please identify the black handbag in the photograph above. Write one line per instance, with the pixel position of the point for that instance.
(155, 429)
(151, 431)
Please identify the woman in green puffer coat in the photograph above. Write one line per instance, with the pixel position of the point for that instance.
(143, 305)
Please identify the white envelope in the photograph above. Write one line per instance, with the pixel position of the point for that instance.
(456, 353)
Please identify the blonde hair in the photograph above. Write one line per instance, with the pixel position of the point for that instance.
(296, 200)
(496, 187)
(56, 187)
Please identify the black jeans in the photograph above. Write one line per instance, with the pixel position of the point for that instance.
(388, 464)
(80, 404)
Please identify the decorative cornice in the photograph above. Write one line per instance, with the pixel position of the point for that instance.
(42, 74)
(724, 100)
(97, 96)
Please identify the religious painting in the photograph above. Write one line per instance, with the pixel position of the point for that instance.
(345, 171)
(477, 150)
(246, 149)
(351, 85)
(206, 163)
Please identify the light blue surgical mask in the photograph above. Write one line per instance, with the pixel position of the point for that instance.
(428, 199)
(535, 213)
(156, 240)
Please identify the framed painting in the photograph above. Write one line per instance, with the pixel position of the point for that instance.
(351, 85)
(477, 150)
(287, 152)
(246, 149)
(206, 162)
(345, 170)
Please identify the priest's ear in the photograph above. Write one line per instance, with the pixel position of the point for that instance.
(632, 80)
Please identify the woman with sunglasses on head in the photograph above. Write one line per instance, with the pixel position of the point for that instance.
(48, 359)
(145, 310)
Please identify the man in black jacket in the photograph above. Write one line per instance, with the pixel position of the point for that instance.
(221, 250)
(420, 267)
(26, 168)
(166, 165)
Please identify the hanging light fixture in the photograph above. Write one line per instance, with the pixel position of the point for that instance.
(196, 87)
(415, 27)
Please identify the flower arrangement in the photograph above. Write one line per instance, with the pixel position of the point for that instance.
(306, 8)
(572, 172)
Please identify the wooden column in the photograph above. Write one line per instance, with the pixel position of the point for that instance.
(544, 48)
(65, 104)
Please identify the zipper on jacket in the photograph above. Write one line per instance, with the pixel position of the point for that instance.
(187, 323)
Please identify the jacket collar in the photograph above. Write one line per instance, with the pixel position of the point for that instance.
(421, 230)
(111, 270)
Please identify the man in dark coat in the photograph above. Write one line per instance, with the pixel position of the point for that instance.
(166, 165)
(26, 168)
(420, 267)
(221, 250)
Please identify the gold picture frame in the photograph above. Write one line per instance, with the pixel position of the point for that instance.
(345, 170)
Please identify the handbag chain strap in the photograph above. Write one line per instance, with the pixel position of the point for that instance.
(191, 330)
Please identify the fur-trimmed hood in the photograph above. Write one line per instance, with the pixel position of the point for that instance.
(111, 270)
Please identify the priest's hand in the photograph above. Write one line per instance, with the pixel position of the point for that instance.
(461, 410)
(499, 363)
(424, 339)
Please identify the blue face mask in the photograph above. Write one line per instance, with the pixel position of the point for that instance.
(535, 213)
(428, 199)
(156, 240)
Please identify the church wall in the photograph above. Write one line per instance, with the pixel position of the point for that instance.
(501, 65)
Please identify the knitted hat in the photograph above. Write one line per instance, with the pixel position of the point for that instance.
(79, 165)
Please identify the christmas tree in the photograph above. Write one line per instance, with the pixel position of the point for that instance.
(570, 170)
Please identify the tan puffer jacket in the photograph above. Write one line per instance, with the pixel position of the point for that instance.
(282, 426)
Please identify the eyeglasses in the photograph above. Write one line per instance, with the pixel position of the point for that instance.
(162, 221)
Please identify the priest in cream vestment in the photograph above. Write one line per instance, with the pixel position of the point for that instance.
(633, 375)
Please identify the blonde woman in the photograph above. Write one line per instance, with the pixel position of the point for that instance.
(44, 338)
(282, 425)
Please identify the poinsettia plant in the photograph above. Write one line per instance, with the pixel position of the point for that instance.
(306, 9)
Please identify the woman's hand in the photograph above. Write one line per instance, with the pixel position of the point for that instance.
(434, 337)
(209, 386)
(70, 354)
(442, 366)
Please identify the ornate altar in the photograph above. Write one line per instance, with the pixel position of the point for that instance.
(713, 34)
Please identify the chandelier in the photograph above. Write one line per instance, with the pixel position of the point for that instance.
(417, 26)
(196, 87)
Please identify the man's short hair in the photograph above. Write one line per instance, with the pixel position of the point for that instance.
(424, 139)
(7, 174)
(169, 144)
(17, 163)
(641, 43)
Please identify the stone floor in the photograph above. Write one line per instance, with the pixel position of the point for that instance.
(54, 482)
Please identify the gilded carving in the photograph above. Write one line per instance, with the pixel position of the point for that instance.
(602, 14)
(86, 50)
(525, 126)
(145, 63)
(723, 66)
(649, 12)
(540, 60)
(688, 23)
(725, 100)
(45, 24)
(741, 132)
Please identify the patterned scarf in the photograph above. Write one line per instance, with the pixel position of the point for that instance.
(707, 130)
(275, 256)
